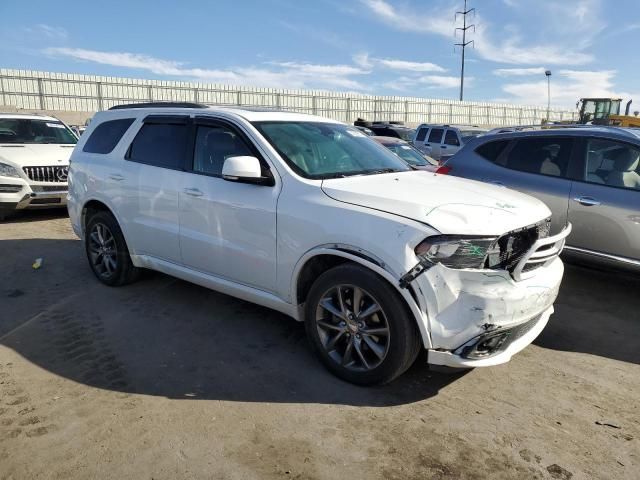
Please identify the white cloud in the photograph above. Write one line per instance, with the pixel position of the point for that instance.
(567, 87)
(413, 84)
(287, 74)
(365, 61)
(510, 48)
(51, 32)
(443, 81)
(508, 72)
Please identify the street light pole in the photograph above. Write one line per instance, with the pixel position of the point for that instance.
(548, 74)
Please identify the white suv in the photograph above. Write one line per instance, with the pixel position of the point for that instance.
(441, 142)
(34, 162)
(312, 218)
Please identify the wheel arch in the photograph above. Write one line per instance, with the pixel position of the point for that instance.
(322, 258)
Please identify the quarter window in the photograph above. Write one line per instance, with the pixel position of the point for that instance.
(106, 136)
(545, 156)
(451, 138)
(612, 163)
(161, 145)
(436, 135)
(214, 144)
(492, 150)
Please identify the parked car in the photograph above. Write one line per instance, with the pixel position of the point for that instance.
(392, 130)
(367, 131)
(443, 141)
(312, 218)
(408, 153)
(34, 162)
(587, 176)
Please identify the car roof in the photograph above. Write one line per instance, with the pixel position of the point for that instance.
(28, 116)
(252, 114)
(459, 127)
(573, 131)
(387, 140)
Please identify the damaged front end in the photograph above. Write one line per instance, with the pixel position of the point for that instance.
(487, 297)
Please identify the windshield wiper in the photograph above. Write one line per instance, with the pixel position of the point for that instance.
(376, 171)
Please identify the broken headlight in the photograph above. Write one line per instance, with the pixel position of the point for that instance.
(456, 251)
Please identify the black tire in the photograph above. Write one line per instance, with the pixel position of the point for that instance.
(401, 346)
(123, 272)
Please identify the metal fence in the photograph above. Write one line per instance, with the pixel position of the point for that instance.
(29, 90)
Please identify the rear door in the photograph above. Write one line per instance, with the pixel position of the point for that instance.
(605, 202)
(450, 142)
(149, 180)
(227, 229)
(537, 165)
(433, 141)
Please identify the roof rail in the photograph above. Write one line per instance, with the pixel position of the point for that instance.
(159, 105)
(553, 126)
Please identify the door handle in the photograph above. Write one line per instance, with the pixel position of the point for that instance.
(116, 176)
(194, 192)
(586, 201)
(427, 144)
(443, 146)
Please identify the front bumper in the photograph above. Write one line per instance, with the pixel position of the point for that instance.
(18, 194)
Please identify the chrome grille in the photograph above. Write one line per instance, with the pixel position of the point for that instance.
(48, 173)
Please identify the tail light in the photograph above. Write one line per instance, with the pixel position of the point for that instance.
(444, 169)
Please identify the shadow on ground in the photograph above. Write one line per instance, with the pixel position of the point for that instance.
(165, 337)
(36, 215)
(169, 338)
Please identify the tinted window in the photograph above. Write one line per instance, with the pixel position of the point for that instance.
(612, 163)
(422, 133)
(214, 144)
(436, 135)
(492, 150)
(160, 144)
(26, 130)
(451, 138)
(106, 136)
(546, 156)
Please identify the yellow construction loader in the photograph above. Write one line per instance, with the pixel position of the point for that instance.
(606, 111)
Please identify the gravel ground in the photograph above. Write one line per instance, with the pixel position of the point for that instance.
(163, 379)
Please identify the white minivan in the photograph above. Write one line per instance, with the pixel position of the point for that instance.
(310, 217)
(443, 141)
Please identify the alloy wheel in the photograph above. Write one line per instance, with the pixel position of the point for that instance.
(352, 327)
(102, 250)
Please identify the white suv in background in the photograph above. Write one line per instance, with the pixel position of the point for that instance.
(34, 162)
(443, 141)
(312, 218)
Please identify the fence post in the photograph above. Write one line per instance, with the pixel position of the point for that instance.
(450, 113)
(278, 100)
(314, 105)
(150, 93)
(429, 112)
(406, 111)
(239, 97)
(4, 98)
(196, 95)
(41, 93)
(488, 115)
(535, 116)
(100, 99)
(348, 112)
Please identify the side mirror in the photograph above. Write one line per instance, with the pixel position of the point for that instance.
(244, 169)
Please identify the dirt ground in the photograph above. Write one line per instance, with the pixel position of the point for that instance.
(165, 380)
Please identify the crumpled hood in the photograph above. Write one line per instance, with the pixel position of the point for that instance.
(452, 205)
(35, 155)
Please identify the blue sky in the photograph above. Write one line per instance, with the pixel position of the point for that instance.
(388, 47)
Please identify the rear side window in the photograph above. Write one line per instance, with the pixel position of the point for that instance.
(545, 156)
(106, 136)
(436, 135)
(422, 134)
(492, 150)
(160, 145)
(451, 138)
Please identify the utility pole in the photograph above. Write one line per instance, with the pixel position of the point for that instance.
(464, 42)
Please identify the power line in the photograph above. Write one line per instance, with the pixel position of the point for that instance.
(464, 42)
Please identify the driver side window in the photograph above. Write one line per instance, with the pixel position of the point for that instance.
(214, 144)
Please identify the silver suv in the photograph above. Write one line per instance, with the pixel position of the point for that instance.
(587, 176)
(443, 141)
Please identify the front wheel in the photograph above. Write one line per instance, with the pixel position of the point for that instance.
(359, 326)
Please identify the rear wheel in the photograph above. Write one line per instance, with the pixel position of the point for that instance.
(359, 326)
(107, 251)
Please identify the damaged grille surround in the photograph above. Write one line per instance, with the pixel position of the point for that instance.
(520, 252)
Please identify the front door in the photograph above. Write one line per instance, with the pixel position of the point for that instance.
(227, 229)
(605, 206)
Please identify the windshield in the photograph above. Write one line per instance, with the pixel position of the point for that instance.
(406, 134)
(410, 155)
(467, 135)
(328, 150)
(24, 130)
